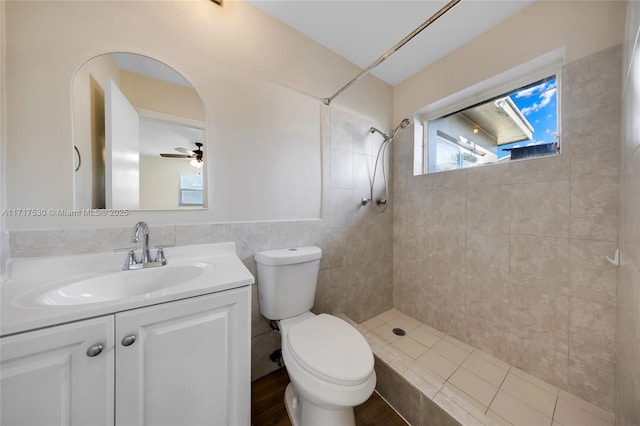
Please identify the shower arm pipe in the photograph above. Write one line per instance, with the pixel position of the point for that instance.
(394, 49)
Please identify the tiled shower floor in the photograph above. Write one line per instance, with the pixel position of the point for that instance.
(471, 385)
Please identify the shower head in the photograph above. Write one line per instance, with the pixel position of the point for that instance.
(403, 124)
(382, 150)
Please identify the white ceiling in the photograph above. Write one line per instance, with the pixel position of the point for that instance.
(363, 30)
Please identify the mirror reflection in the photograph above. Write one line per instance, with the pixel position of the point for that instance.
(139, 139)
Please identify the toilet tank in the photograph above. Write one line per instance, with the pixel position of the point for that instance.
(287, 281)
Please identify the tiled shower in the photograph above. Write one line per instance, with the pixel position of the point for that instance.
(510, 258)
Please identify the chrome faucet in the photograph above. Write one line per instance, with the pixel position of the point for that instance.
(141, 226)
(145, 258)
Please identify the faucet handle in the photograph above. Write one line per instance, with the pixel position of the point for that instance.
(131, 260)
(160, 255)
(119, 249)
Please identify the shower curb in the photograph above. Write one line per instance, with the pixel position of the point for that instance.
(416, 408)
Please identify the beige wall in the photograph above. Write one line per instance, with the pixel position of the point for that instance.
(510, 258)
(159, 181)
(161, 96)
(4, 235)
(627, 392)
(580, 27)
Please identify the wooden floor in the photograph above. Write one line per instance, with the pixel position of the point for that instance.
(267, 405)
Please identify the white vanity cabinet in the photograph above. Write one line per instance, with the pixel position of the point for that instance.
(58, 375)
(185, 362)
(189, 364)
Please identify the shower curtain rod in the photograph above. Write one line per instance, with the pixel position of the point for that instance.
(394, 49)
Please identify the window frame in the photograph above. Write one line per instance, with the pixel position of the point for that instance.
(182, 190)
(502, 84)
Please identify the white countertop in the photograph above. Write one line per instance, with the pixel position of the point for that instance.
(30, 278)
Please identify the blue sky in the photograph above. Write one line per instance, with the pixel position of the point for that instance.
(538, 103)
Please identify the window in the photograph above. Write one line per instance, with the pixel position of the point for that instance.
(190, 189)
(513, 125)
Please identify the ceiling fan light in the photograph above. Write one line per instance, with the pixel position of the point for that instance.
(196, 163)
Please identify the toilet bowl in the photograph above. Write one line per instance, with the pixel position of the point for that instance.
(330, 366)
(329, 362)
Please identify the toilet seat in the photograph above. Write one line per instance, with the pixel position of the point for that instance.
(331, 349)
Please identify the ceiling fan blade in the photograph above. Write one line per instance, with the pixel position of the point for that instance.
(185, 151)
(176, 155)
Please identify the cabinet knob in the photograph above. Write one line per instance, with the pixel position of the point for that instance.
(128, 340)
(94, 350)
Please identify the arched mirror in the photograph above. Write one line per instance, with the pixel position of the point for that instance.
(139, 136)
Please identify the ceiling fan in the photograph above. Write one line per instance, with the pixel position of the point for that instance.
(196, 154)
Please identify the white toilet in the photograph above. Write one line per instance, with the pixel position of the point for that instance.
(329, 362)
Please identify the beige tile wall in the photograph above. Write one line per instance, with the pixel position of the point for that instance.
(510, 258)
(627, 406)
(356, 268)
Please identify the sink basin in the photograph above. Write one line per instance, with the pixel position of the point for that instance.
(119, 285)
(46, 291)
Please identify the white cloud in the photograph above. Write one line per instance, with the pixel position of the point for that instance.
(527, 92)
(545, 98)
(533, 90)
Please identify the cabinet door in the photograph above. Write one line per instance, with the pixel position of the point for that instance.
(48, 378)
(189, 364)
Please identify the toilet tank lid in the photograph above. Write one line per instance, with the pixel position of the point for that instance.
(289, 256)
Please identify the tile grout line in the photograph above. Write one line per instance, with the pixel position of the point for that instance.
(555, 407)
(454, 372)
(528, 404)
(470, 396)
(499, 387)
